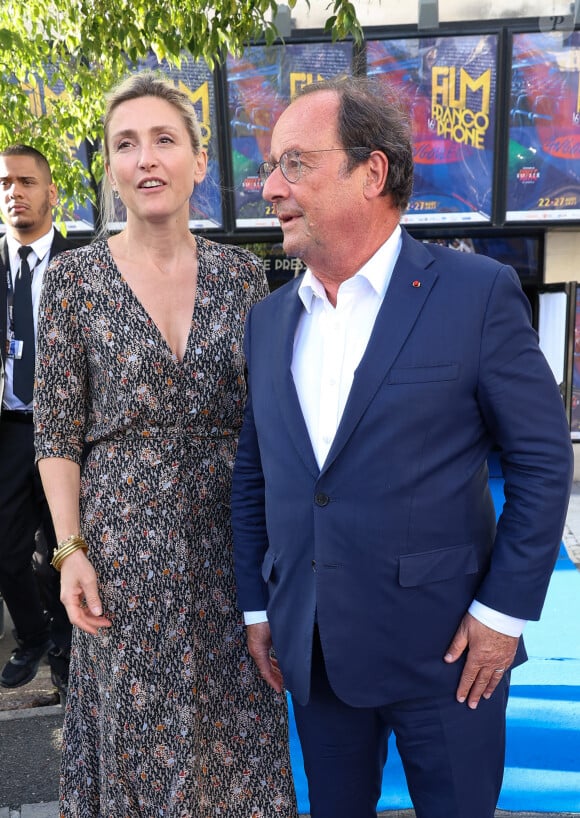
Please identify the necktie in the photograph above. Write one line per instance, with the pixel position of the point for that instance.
(23, 379)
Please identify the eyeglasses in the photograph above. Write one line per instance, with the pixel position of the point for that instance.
(290, 163)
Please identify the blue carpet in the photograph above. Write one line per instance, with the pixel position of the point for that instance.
(543, 744)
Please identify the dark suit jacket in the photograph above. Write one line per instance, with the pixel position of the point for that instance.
(59, 243)
(390, 541)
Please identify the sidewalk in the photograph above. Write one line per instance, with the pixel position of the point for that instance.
(31, 728)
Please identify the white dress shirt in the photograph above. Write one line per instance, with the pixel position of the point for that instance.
(330, 341)
(328, 346)
(38, 261)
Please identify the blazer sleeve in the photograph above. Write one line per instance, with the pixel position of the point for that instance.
(248, 505)
(523, 408)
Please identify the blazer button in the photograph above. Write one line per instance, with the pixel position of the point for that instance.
(322, 500)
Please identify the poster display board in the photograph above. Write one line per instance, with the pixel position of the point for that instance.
(523, 253)
(449, 85)
(543, 166)
(260, 84)
(575, 411)
(80, 218)
(195, 79)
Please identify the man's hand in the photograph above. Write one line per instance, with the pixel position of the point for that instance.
(79, 594)
(260, 647)
(490, 655)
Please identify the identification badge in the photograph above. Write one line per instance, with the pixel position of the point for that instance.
(15, 349)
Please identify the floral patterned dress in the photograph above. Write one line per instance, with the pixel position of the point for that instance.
(166, 715)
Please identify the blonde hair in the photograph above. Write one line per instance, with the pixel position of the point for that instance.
(143, 84)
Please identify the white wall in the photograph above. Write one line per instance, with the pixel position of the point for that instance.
(562, 260)
(406, 12)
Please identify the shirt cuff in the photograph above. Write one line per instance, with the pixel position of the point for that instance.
(255, 617)
(508, 625)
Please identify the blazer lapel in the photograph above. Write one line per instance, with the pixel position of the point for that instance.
(4, 252)
(287, 317)
(410, 285)
(59, 243)
(4, 267)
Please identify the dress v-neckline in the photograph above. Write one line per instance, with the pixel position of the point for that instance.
(123, 281)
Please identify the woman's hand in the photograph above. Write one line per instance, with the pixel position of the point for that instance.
(79, 593)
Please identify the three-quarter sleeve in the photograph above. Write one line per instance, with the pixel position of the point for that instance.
(60, 395)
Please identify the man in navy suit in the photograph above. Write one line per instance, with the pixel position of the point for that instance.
(378, 384)
(27, 197)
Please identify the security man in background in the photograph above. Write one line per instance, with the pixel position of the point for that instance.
(27, 197)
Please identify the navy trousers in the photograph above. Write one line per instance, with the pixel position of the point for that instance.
(24, 515)
(453, 756)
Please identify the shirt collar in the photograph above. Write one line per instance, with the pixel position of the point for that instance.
(377, 271)
(40, 246)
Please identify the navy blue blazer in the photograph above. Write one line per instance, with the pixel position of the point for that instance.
(388, 544)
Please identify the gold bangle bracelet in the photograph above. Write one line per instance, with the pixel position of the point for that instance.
(67, 547)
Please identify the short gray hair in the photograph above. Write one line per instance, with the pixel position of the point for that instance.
(373, 116)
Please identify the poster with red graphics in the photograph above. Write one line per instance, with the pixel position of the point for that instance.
(260, 84)
(543, 177)
(448, 84)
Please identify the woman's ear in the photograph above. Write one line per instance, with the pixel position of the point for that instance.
(110, 176)
(200, 166)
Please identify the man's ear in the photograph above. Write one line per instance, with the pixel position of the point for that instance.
(53, 195)
(376, 177)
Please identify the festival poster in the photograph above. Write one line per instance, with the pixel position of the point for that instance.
(260, 84)
(81, 218)
(543, 174)
(575, 419)
(196, 80)
(449, 85)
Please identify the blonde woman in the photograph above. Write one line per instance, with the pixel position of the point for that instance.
(140, 390)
